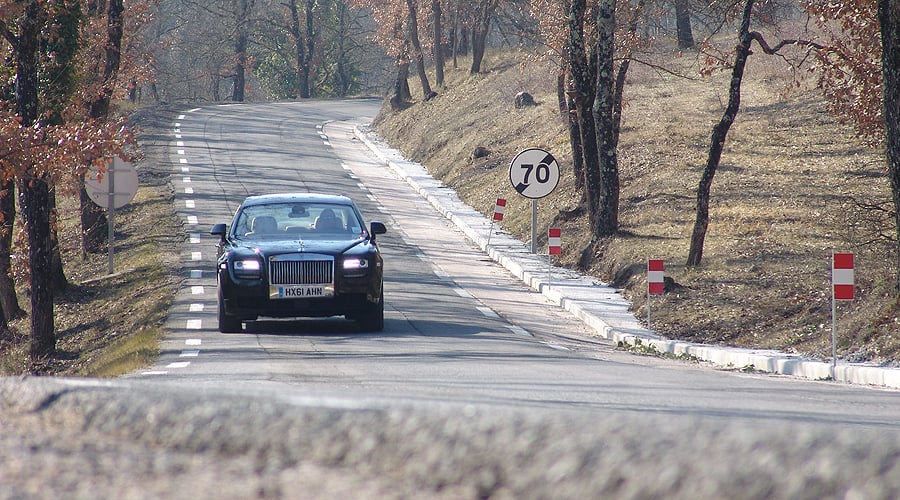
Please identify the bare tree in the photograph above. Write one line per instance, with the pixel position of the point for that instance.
(484, 13)
(412, 24)
(437, 46)
(684, 32)
(241, 39)
(889, 18)
(720, 130)
(602, 183)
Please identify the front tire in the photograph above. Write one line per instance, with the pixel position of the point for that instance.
(227, 322)
(372, 319)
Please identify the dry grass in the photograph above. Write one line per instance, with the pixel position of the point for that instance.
(787, 193)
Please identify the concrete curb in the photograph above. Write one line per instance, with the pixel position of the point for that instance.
(598, 305)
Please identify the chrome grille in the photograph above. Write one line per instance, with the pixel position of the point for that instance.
(301, 272)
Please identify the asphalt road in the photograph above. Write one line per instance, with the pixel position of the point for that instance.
(477, 387)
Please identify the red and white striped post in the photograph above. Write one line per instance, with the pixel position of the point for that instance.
(842, 288)
(554, 247)
(499, 210)
(554, 241)
(655, 281)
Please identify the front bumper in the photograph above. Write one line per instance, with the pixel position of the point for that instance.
(249, 300)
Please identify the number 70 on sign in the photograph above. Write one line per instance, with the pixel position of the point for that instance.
(534, 173)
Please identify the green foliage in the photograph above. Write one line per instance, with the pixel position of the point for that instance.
(276, 75)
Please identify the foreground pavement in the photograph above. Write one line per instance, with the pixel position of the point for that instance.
(600, 306)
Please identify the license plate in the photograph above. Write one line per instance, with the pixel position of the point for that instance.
(300, 291)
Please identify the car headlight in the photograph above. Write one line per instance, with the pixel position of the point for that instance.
(247, 268)
(356, 267)
(351, 264)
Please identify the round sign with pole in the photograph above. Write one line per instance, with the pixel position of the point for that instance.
(534, 173)
(113, 191)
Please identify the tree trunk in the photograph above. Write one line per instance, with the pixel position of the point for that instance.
(683, 24)
(605, 214)
(413, 26)
(438, 45)
(401, 85)
(485, 11)
(57, 273)
(8, 298)
(93, 217)
(240, 50)
(889, 18)
(299, 52)
(717, 141)
(457, 34)
(583, 74)
(569, 113)
(36, 211)
(344, 77)
(34, 189)
(306, 86)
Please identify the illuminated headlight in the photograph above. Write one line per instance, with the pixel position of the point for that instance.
(351, 264)
(248, 268)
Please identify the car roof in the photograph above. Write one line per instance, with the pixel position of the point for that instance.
(296, 198)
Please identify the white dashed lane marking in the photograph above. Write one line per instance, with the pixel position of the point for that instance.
(194, 324)
(518, 330)
(488, 312)
(195, 308)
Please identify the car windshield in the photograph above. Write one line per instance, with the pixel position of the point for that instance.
(306, 220)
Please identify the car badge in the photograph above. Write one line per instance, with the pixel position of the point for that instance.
(301, 245)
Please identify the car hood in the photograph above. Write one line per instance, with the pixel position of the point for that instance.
(266, 248)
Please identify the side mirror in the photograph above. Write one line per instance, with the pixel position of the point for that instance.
(376, 228)
(219, 230)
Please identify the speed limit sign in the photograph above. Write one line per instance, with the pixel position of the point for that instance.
(534, 173)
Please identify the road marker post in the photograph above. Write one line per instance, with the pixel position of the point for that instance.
(554, 247)
(499, 210)
(655, 282)
(842, 288)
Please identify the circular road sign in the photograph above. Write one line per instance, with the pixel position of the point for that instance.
(125, 184)
(534, 173)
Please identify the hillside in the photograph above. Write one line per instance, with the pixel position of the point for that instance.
(792, 186)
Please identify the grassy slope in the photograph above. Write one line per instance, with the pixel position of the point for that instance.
(787, 193)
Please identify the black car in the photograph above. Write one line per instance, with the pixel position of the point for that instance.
(299, 255)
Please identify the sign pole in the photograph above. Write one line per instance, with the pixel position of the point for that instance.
(111, 208)
(534, 222)
(842, 288)
(833, 337)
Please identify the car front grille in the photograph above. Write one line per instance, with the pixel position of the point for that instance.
(305, 272)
